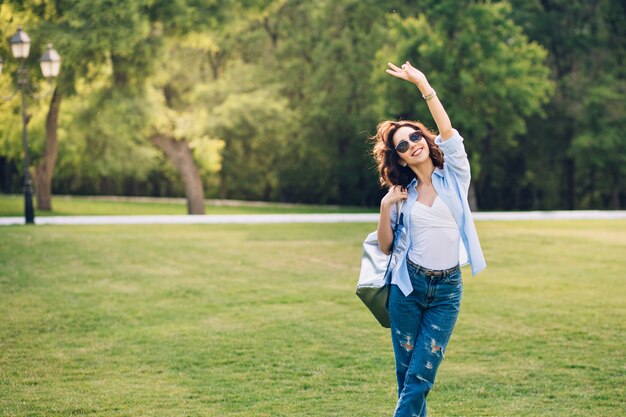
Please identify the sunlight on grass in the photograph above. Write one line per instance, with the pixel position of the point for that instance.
(13, 206)
(262, 320)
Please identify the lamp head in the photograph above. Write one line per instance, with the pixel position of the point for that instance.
(20, 44)
(50, 62)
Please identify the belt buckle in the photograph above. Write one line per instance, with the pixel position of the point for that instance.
(434, 273)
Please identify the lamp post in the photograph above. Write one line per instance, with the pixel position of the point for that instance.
(50, 63)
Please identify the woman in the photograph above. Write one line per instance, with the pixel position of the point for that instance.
(430, 176)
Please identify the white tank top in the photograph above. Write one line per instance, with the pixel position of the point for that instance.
(434, 236)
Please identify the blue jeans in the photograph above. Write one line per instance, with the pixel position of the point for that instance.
(421, 326)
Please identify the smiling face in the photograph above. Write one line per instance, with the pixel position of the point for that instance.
(417, 153)
(422, 154)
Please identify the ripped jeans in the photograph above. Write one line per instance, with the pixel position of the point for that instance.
(421, 326)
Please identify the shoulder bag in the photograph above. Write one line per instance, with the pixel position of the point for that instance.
(375, 277)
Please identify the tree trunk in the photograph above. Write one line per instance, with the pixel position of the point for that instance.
(43, 170)
(485, 191)
(615, 192)
(179, 153)
(569, 182)
(569, 169)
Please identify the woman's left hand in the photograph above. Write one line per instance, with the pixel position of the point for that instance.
(408, 73)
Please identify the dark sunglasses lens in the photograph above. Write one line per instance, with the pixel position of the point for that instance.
(415, 136)
(402, 146)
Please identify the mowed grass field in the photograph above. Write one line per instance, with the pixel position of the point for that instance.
(262, 320)
(13, 206)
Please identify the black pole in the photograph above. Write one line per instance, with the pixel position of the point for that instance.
(29, 212)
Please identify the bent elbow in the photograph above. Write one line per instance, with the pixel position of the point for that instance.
(446, 133)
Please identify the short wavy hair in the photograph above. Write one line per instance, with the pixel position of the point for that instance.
(388, 162)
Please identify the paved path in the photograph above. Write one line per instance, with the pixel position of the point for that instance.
(306, 218)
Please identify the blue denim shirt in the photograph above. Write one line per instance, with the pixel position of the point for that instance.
(452, 185)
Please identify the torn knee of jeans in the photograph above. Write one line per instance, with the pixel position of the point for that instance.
(435, 348)
(407, 343)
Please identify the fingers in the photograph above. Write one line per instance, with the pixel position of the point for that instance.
(399, 190)
(393, 67)
(402, 194)
(402, 73)
(395, 74)
(405, 66)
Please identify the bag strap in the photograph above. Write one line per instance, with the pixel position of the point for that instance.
(399, 218)
(399, 222)
(396, 232)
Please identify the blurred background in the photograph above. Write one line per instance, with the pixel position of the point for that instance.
(275, 100)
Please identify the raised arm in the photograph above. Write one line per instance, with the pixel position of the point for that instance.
(413, 75)
(449, 140)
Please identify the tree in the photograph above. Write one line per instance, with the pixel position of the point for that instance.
(178, 119)
(322, 56)
(580, 157)
(97, 32)
(235, 101)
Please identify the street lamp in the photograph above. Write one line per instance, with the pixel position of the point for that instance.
(20, 44)
(50, 64)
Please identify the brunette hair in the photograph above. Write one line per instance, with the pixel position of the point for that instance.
(387, 159)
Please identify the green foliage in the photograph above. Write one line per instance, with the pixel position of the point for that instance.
(11, 126)
(489, 77)
(577, 146)
(256, 125)
(323, 57)
(599, 146)
(115, 50)
(182, 96)
(115, 134)
(278, 97)
(10, 110)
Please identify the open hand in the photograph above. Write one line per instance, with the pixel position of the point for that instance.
(407, 72)
(395, 194)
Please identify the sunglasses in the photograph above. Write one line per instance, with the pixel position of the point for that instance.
(414, 137)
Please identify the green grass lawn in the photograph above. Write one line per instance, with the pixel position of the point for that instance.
(13, 206)
(262, 320)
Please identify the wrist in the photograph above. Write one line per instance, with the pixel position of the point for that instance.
(424, 87)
